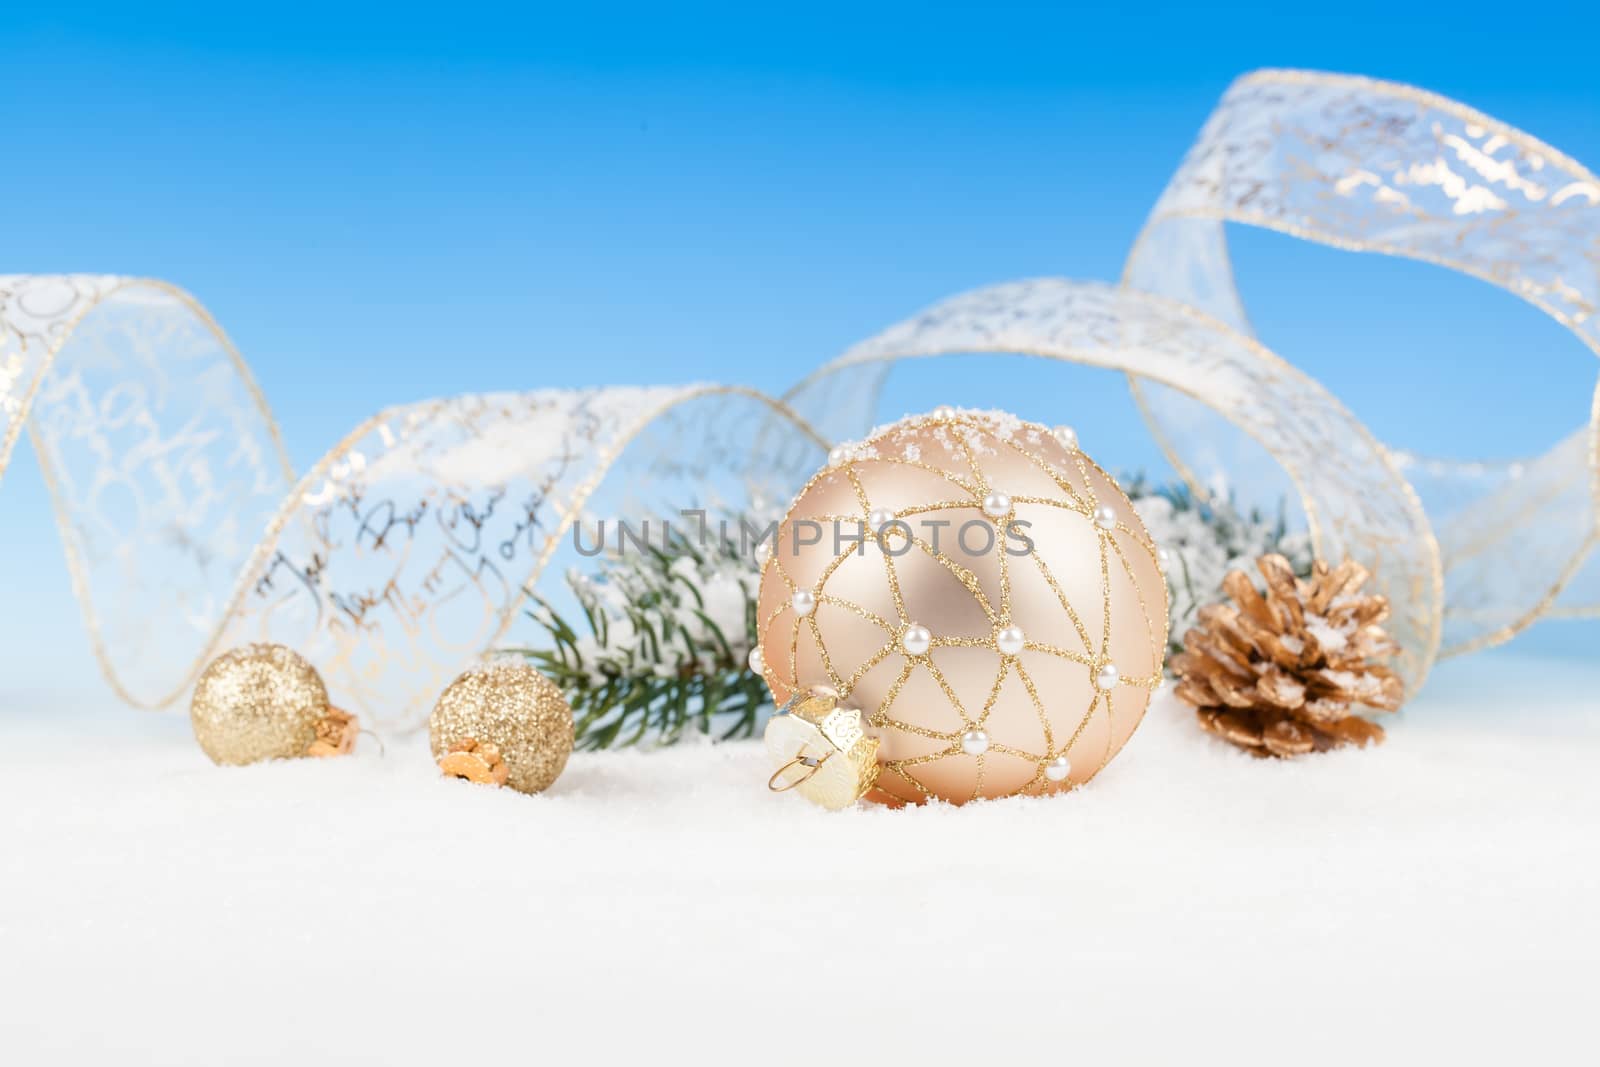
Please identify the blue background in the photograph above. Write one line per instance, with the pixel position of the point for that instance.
(383, 205)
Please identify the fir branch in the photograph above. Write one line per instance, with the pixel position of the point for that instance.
(1206, 540)
(661, 651)
(666, 648)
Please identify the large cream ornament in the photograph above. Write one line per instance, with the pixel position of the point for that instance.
(981, 592)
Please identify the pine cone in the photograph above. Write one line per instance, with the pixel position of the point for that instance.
(1282, 674)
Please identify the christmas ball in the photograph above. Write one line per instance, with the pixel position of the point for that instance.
(266, 702)
(983, 594)
(502, 722)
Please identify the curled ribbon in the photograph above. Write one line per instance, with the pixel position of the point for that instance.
(405, 551)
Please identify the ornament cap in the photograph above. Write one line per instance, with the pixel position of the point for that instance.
(822, 751)
(480, 763)
(336, 734)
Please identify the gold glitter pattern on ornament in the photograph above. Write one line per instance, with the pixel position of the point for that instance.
(513, 710)
(985, 710)
(258, 702)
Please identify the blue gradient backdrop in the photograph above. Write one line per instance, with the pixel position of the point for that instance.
(384, 205)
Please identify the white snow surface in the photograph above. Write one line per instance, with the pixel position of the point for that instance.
(1433, 900)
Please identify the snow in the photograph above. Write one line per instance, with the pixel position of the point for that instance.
(1330, 639)
(1432, 900)
(1202, 553)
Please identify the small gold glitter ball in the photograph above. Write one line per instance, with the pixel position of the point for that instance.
(507, 704)
(258, 702)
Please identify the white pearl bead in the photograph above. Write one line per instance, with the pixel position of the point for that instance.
(804, 602)
(974, 742)
(1067, 436)
(758, 665)
(837, 455)
(944, 411)
(1163, 558)
(997, 505)
(763, 553)
(1106, 677)
(1058, 769)
(916, 640)
(1010, 640)
(1105, 517)
(878, 518)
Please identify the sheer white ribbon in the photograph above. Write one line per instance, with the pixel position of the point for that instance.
(406, 550)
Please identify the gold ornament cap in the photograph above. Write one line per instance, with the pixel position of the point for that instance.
(502, 723)
(822, 751)
(260, 702)
(481, 763)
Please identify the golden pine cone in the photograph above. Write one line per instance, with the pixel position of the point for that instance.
(1283, 674)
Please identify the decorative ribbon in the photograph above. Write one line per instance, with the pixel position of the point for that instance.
(406, 550)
